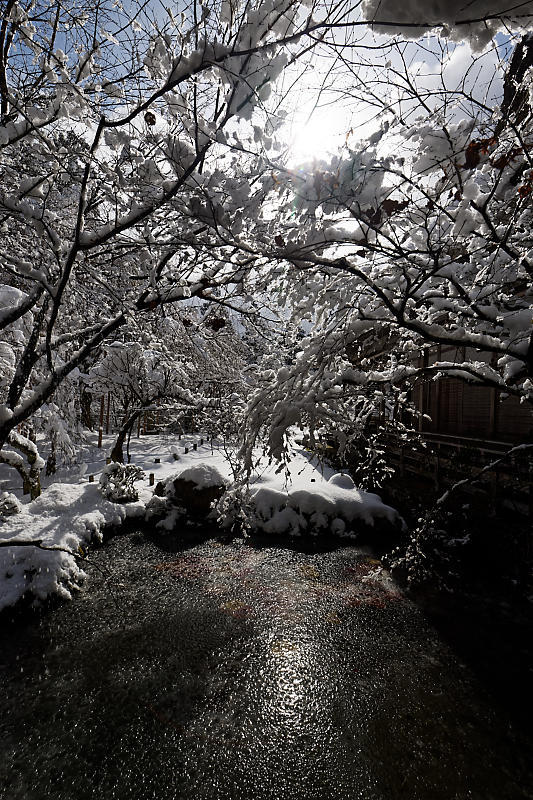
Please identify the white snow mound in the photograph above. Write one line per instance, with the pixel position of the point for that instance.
(342, 480)
(63, 520)
(203, 475)
(329, 505)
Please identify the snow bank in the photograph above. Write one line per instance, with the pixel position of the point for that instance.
(62, 521)
(332, 505)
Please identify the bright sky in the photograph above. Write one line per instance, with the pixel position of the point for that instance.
(319, 136)
(316, 130)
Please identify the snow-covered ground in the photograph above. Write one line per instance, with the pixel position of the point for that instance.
(71, 512)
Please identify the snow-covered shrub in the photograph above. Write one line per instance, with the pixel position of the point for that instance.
(162, 512)
(235, 509)
(335, 506)
(9, 505)
(434, 551)
(157, 507)
(368, 459)
(116, 482)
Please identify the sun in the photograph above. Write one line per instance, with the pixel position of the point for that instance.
(317, 137)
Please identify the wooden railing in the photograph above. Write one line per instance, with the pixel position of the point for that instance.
(441, 460)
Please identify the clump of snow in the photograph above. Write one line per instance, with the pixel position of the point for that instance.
(476, 21)
(117, 482)
(9, 505)
(342, 480)
(156, 507)
(173, 515)
(203, 475)
(332, 505)
(164, 512)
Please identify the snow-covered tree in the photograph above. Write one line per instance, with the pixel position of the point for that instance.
(109, 203)
(417, 238)
(138, 159)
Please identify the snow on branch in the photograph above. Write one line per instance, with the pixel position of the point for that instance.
(477, 21)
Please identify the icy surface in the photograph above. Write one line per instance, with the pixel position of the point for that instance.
(236, 672)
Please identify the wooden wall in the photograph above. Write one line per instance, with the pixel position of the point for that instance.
(460, 409)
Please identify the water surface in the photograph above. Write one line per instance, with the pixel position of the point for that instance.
(234, 672)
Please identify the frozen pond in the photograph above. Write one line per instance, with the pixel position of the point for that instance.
(227, 671)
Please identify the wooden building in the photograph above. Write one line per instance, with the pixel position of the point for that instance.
(453, 407)
(463, 429)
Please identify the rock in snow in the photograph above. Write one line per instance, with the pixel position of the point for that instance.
(192, 492)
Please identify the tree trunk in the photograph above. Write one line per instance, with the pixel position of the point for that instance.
(51, 462)
(34, 476)
(107, 414)
(117, 453)
(515, 105)
(85, 406)
(31, 478)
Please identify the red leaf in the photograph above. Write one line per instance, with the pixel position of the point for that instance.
(392, 206)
